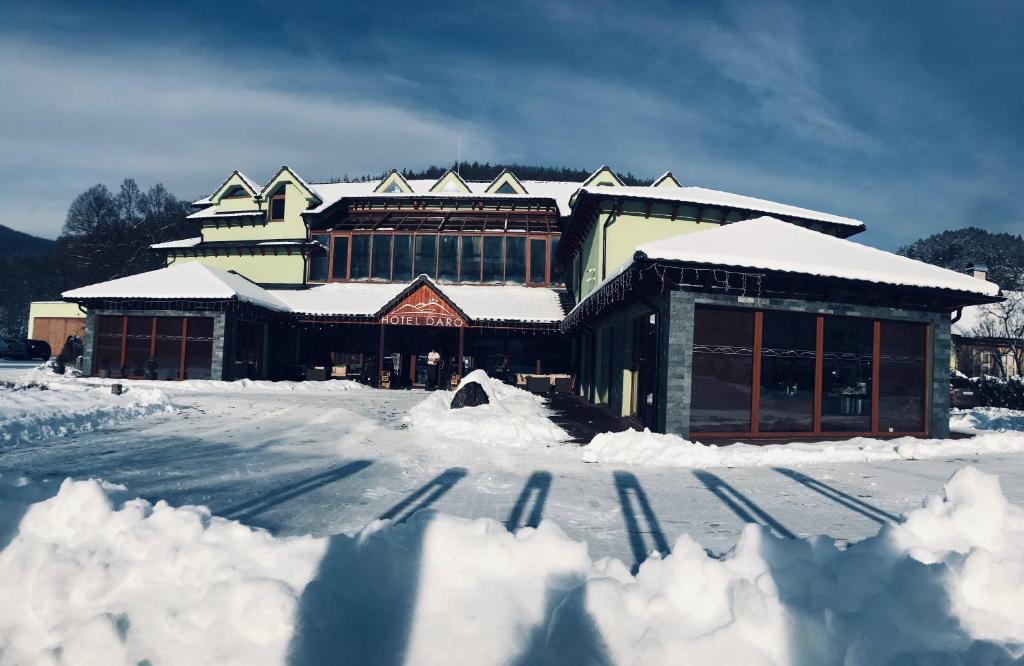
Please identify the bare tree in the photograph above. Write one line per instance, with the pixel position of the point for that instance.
(1004, 321)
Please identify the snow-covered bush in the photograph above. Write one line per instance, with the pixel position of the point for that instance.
(90, 578)
(513, 417)
(1005, 392)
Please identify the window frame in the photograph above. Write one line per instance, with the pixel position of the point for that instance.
(817, 430)
(270, 208)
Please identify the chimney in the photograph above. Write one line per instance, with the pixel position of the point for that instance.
(978, 269)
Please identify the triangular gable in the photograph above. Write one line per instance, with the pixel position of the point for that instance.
(450, 181)
(235, 179)
(422, 303)
(390, 182)
(666, 180)
(603, 176)
(286, 175)
(504, 181)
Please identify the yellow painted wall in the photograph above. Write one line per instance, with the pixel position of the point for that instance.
(628, 230)
(292, 227)
(267, 269)
(51, 309)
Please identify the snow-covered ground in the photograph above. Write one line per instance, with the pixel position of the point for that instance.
(329, 459)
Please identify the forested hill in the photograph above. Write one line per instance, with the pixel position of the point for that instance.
(15, 243)
(955, 249)
(487, 171)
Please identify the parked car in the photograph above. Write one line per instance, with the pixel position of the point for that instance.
(962, 392)
(11, 348)
(38, 349)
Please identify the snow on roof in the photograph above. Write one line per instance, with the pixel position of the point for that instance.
(340, 298)
(478, 302)
(184, 242)
(192, 279)
(971, 316)
(506, 302)
(253, 185)
(211, 212)
(704, 196)
(560, 191)
(769, 244)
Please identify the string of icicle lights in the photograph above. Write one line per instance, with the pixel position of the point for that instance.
(616, 290)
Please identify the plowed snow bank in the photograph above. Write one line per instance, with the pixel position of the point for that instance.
(91, 579)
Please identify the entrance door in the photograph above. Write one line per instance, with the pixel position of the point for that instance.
(645, 345)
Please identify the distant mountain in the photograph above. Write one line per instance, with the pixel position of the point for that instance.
(17, 243)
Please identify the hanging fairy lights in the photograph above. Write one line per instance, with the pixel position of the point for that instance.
(662, 277)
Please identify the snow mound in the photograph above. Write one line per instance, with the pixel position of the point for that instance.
(88, 580)
(633, 447)
(982, 419)
(32, 412)
(513, 418)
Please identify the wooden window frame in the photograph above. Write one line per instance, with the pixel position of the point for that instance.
(816, 430)
(270, 208)
(437, 236)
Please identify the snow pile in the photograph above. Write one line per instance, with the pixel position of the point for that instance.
(88, 581)
(633, 447)
(31, 412)
(982, 419)
(83, 583)
(513, 418)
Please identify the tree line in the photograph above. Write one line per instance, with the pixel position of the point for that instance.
(485, 171)
(106, 235)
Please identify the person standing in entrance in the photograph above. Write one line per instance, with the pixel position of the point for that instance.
(433, 360)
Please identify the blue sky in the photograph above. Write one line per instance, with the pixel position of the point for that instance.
(907, 115)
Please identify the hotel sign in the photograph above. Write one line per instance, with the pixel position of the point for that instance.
(423, 307)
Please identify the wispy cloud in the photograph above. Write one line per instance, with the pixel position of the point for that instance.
(187, 119)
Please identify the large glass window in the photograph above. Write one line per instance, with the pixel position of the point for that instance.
(723, 367)
(515, 260)
(494, 259)
(901, 376)
(403, 257)
(168, 347)
(318, 262)
(788, 351)
(846, 375)
(198, 348)
(108, 343)
(359, 264)
(381, 258)
(469, 267)
(339, 269)
(448, 259)
(538, 260)
(426, 255)
(136, 348)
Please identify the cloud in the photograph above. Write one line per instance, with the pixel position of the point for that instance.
(187, 119)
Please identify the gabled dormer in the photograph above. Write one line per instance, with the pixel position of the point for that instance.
(284, 183)
(393, 183)
(238, 192)
(450, 181)
(603, 176)
(666, 180)
(506, 183)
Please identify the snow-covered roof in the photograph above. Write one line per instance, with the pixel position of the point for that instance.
(184, 242)
(190, 280)
(706, 197)
(340, 299)
(559, 191)
(769, 244)
(506, 302)
(971, 316)
(478, 302)
(253, 185)
(211, 213)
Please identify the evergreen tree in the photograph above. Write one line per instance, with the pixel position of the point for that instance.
(1003, 253)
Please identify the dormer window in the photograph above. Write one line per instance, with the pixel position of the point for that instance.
(506, 188)
(236, 192)
(393, 188)
(277, 208)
